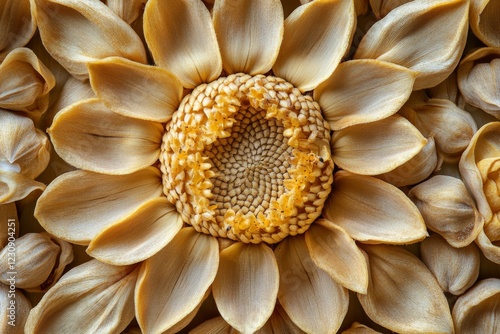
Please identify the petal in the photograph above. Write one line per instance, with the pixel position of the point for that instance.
(23, 148)
(25, 83)
(484, 21)
(312, 299)
(427, 37)
(90, 136)
(357, 328)
(17, 25)
(333, 250)
(484, 144)
(91, 298)
(138, 236)
(21, 309)
(456, 269)
(378, 147)
(363, 91)
(280, 323)
(488, 248)
(213, 326)
(382, 7)
(127, 10)
(246, 285)
(316, 38)
(77, 205)
(181, 37)
(478, 310)
(415, 170)
(403, 296)
(448, 209)
(15, 187)
(174, 281)
(146, 92)
(249, 34)
(373, 211)
(77, 32)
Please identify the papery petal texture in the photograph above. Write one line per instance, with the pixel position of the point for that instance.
(182, 40)
(361, 148)
(76, 32)
(17, 25)
(373, 211)
(403, 296)
(90, 136)
(484, 21)
(316, 37)
(249, 33)
(246, 285)
(79, 204)
(426, 36)
(102, 296)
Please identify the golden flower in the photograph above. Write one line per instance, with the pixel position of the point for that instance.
(210, 171)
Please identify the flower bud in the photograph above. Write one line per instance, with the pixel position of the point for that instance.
(448, 209)
(39, 262)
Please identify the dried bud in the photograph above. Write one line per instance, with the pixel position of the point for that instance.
(14, 310)
(477, 79)
(40, 261)
(456, 269)
(478, 311)
(448, 209)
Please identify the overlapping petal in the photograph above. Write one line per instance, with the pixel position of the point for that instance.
(15, 186)
(363, 91)
(17, 25)
(101, 295)
(303, 283)
(174, 281)
(317, 35)
(249, 33)
(146, 92)
(182, 40)
(138, 236)
(373, 211)
(246, 285)
(89, 136)
(426, 36)
(79, 204)
(333, 250)
(403, 296)
(127, 10)
(21, 309)
(484, 21)
(76, 32)
(378, 147)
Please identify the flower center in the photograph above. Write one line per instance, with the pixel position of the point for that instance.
(247, 158)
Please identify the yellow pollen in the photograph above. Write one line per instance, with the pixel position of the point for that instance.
(247, 158)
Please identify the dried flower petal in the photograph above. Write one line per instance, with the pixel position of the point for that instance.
(484, 21)
(17, 25)
(13, 316)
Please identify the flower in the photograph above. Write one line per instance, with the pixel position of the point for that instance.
(210, 171)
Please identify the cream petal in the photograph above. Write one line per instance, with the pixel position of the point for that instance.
(23, 148)
(146, 92)
(478, 310)
(181, 37)
(214, 326)
(187, 319)
(488, 248)
(363, 91)
(15, 187)
(77, 32)
(17, 25)
(317, 35)
(138, 236)
(456, 269)
(478, 79)
(448, 209)
(91, 298)
(174, 281)
(403, 296)
(484, 144)
(246, 285)
(333, 250)
(382, 7)
(279, 323)
(415, 170)
(484, 21)
(314, 301)
(378, 147)
(373, 211)
(22, 308)
(426, 36)
(127, 10)
(25, 83)
(357, 328)
(90, 136)
(78, 205)
(249, 34)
